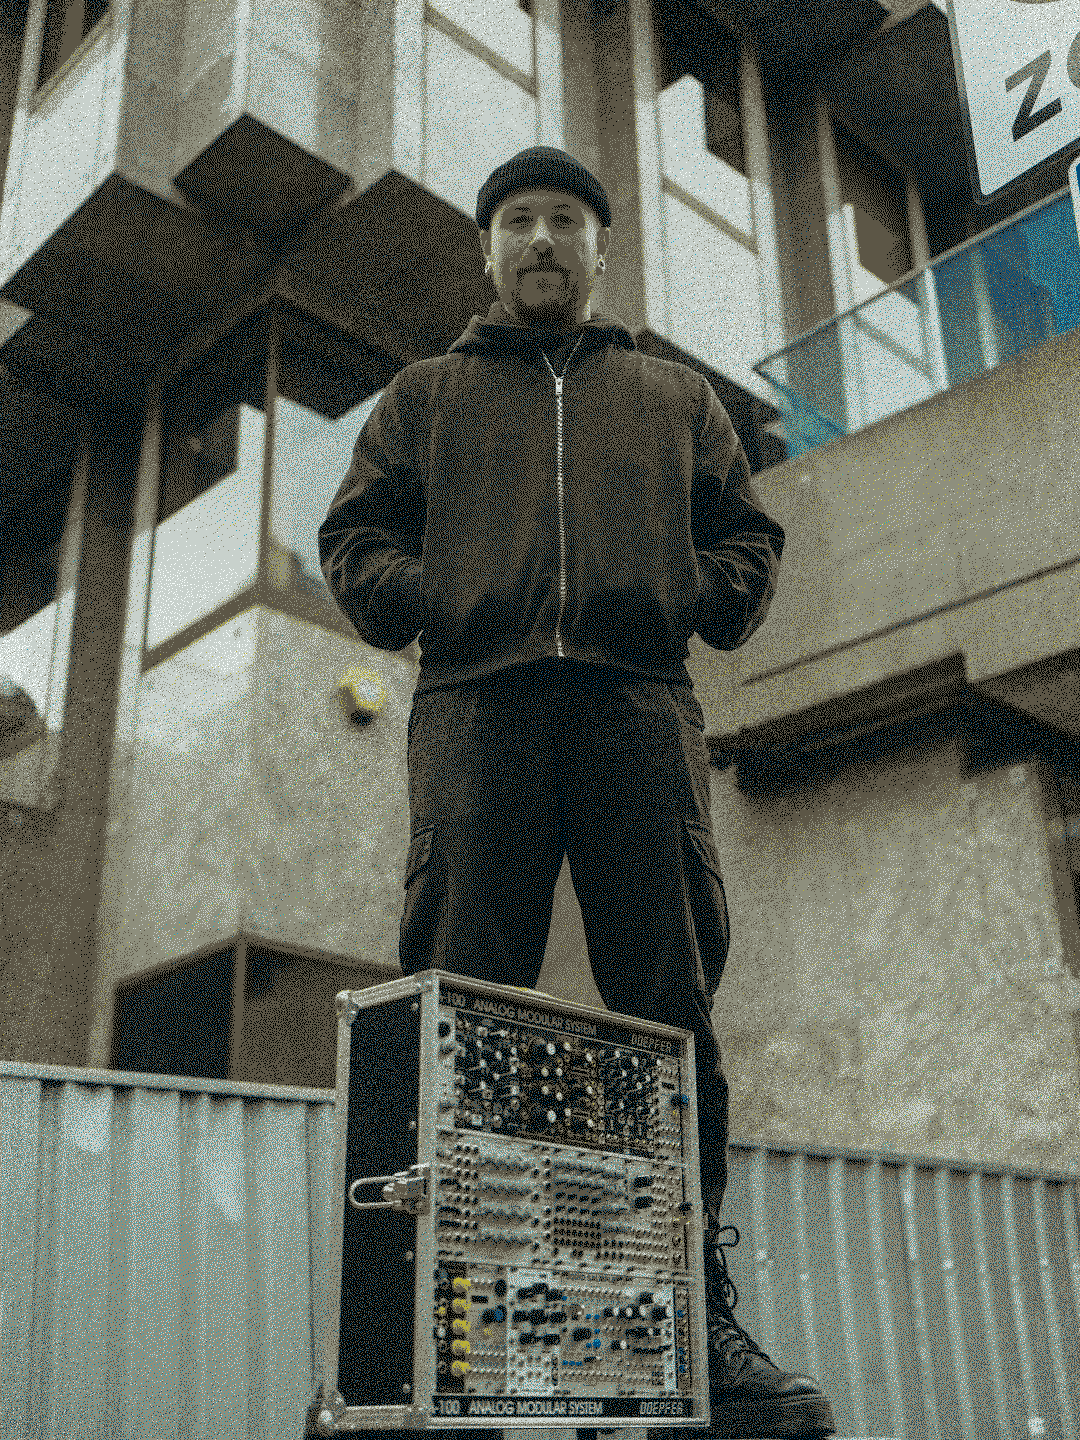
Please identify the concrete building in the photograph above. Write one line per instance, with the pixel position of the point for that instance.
(226, 224)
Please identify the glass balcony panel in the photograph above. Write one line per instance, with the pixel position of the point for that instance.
(895, 316)
(891, 381)
(970, 311)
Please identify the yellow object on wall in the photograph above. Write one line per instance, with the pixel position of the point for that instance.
(361, 695)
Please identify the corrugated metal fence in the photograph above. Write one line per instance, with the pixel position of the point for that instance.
(165, 1246)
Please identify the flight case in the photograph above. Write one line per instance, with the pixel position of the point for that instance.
(516, 1215)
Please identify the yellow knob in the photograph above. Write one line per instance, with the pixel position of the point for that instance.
(459, 1304)
(441, 1310)
(459, 1367)
(460, 1283)
(461, 1326)
(460, 1347)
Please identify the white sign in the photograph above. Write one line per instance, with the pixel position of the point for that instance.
(1074, 186)
(1018, 73)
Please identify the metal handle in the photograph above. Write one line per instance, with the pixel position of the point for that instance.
(407, 1190)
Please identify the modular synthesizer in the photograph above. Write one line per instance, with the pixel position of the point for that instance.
(516, 1215)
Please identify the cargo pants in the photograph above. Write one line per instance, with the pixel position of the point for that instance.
(510, 772)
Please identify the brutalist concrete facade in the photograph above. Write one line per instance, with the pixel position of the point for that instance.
(896, 749)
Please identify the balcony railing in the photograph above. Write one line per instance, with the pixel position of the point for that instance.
(969, 310)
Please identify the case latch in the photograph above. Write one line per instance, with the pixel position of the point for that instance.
(407, 1190)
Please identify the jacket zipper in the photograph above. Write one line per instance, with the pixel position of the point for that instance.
(559, 487)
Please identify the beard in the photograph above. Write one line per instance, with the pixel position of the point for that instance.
(553, 300)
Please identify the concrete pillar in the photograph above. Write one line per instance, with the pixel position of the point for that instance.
(579, 94)
(920, 246)
(548, 69)
(929, 310)
(579, 85)
(10, 65)
(755, 128)
(110, 902)
(755, 125)
(841, 262)
(986, 321)
(408, 88)
(636, 281)
(33, 35)
(52, 885)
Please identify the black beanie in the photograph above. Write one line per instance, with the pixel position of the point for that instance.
(540, 167)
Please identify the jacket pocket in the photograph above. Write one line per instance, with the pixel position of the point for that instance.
(688, 705)
(419, 853)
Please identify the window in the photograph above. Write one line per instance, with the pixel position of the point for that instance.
(177, 1023)
(1072, 848)
(67, 24)
(289, 1022)
(180, 1021)
(206, 546)
(875, 202)
(689, 43)
(35, 634)
(324, 397)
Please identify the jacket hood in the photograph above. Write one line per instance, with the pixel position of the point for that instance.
(498, 331)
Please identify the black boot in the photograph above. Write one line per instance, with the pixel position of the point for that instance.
(748, 1394)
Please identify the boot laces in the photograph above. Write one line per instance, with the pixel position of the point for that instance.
(727, 1335)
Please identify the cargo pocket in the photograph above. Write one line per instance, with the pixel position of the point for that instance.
(419, 853)
(708, 904)
(419, 919)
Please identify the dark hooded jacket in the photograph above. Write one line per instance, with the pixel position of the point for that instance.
(504, 522)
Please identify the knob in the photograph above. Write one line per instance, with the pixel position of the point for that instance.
(659, 1312)
(445, 1027)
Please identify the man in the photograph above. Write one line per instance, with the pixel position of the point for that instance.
(557, 513)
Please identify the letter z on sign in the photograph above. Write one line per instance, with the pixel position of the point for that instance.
(1018, 74)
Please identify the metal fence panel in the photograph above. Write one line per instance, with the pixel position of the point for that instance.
(164, 1245)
